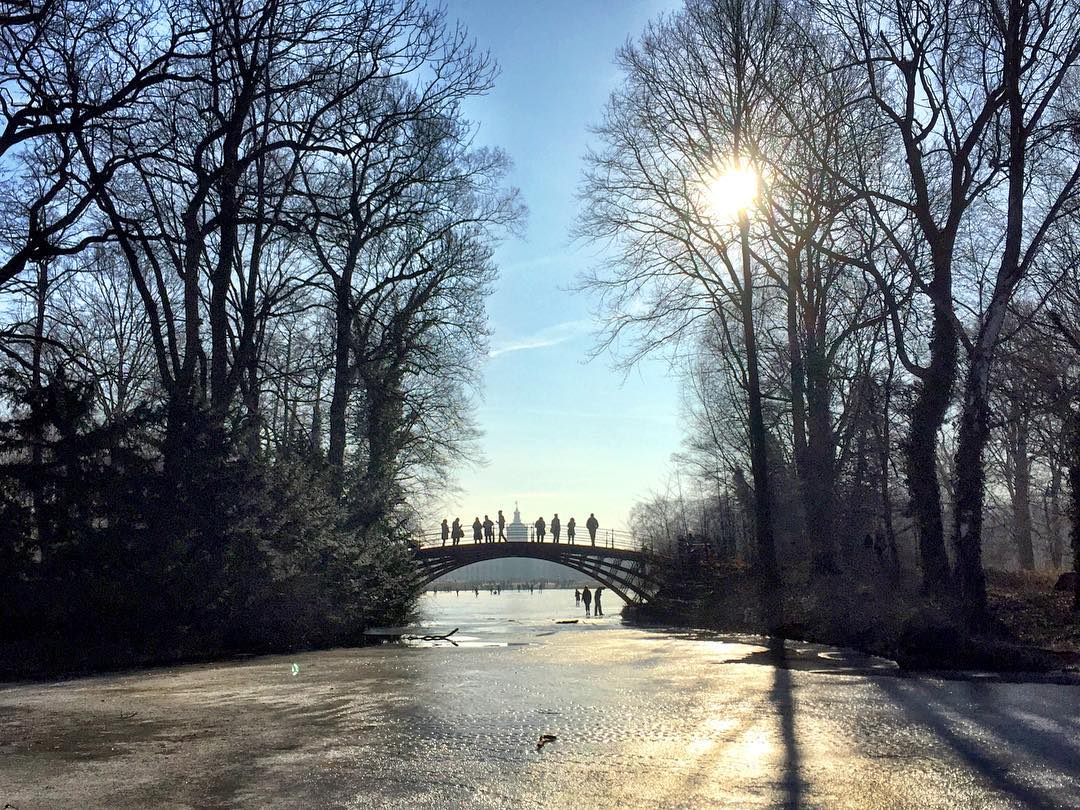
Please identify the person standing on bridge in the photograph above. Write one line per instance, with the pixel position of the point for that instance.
(571, 527)
(477, 530)
(444, 531)
(556, 527)
(592, 524)
(456, 532)
(541, 529)
(489, 530)
(586, 597)
(599, 610)
(502, 527)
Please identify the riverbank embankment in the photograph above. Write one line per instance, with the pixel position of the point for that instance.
(1031, 627)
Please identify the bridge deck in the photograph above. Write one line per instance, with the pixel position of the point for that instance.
(615, 561)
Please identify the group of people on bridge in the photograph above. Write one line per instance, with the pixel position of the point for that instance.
(484, 531)
(592, 524)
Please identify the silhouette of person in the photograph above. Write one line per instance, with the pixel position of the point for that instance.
(592, 524)
(586, 597)
(541, 528)
(477, 530)
(556, 527)
(444, 531)
(598, 609)
(456, 531)
(577, 596)
(571, 527)
(502, 527)
(489, 530)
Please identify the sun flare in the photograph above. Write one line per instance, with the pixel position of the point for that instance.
(731, 191)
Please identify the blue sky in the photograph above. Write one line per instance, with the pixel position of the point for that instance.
(562, 433)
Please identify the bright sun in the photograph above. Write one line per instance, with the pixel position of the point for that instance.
(730, 191)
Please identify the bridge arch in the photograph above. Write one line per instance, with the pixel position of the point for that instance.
(630, 573)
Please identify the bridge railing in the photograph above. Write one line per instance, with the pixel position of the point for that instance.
(605, 538)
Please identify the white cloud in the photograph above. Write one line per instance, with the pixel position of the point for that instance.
(548, 336)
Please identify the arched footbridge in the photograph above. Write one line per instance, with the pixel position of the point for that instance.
(616, 560)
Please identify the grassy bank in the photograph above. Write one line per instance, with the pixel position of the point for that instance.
(1032, 627)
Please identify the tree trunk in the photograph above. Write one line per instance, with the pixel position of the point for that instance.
(883, 434)
(798, 378)
(1021, 495)
(931, 403)
(969, 477)
(820, 461)
(1071, 421)
(763, 529)
(974, 425)
(37, 434)
(1053, 519)
(342, 382)
(377, 496)
(1074, 502)
(812, 435)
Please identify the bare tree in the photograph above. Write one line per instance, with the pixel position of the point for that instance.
(696, 92)
(925, 71)
(404, 158)
(1035, 48)
(70, 71)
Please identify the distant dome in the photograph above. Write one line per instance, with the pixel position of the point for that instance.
(517, 531)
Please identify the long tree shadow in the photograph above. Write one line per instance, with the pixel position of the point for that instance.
(781, 695)
(923, 709)
(791, 781)
(1059, 750)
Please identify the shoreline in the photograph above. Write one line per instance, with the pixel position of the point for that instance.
(919, 636)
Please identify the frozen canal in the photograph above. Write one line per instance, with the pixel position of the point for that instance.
(643, 719)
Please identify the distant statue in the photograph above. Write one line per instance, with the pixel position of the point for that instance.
(571, 527)
(477, 530)
(489, 530)
(444, 531)
(541, 529)
(502, 527)
(556, 527)
(456, 532)
(592, 524)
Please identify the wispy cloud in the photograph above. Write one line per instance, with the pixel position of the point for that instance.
(548, 336)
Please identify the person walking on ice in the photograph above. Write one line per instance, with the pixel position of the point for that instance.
(586, 597)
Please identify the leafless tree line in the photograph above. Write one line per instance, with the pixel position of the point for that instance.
(898, 308)
(264, 220)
